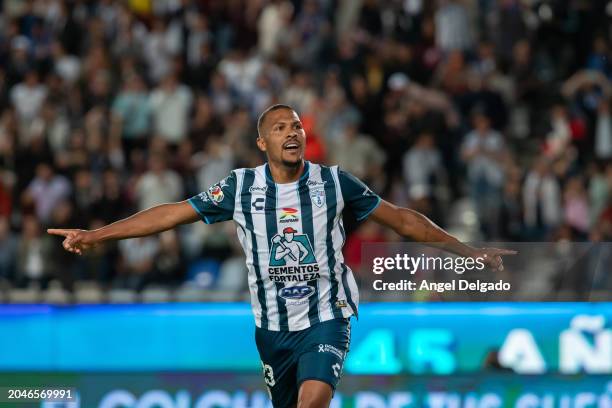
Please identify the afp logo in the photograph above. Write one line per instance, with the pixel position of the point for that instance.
(296, 292)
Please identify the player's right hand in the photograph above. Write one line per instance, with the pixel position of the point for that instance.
(76, 240)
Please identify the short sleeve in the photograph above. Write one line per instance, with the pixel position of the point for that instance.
(217, 203)
(357, 196)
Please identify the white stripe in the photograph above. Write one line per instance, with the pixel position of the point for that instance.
(319, 216)
(287, 195)
(337, 240)
(245, 242)
(263, 252)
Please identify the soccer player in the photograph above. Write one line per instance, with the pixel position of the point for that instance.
(288, 216)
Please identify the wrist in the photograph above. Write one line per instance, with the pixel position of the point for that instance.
(95, 236)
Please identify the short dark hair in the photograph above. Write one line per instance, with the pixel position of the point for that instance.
(265, 113)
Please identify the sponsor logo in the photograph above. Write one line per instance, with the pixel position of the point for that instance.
(317, 196)
(215, 193)
(341, 303)
(314, 183)
(258, 204)
(292, 258)
(367, 192)
(328, 348)
(258, 190)
(268, 374)
(289, 215)
(296, 292)
(337, 369)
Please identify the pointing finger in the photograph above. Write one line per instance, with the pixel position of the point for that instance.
(56, 231)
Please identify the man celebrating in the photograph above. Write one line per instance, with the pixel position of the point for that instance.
(302, 306)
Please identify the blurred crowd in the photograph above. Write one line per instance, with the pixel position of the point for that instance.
(493, 117)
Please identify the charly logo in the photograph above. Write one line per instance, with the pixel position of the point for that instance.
(296, 292)
(258, 190)
(258, 204)
(289, 215)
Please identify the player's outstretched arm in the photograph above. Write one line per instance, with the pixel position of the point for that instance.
(151, 221)
(414, 225)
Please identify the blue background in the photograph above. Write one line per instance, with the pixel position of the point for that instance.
(387, 339)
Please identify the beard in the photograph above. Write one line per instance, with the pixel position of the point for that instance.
(292, 163)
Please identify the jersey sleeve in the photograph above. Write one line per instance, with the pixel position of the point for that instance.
(217, 203)
(357, 196)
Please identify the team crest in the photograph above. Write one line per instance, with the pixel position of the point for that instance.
(318, 197)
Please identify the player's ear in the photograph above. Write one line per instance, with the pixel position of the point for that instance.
(261, 143)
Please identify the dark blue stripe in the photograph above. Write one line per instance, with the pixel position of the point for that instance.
(347, 289)
(245, 201)
(271, 231)
(307, 226)
(330, 199)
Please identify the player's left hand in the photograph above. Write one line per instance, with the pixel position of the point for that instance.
(492, 257)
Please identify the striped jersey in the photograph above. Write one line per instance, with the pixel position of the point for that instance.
(292, 235)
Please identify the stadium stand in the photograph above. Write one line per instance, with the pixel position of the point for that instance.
(491, 117)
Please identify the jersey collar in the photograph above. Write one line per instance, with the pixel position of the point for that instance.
(303, 177)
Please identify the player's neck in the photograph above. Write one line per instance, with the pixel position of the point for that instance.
(282, 174)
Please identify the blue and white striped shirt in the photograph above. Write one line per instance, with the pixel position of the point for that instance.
(292, 236)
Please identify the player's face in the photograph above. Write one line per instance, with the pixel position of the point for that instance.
(284, 138)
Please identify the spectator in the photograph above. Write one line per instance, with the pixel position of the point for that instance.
(160, 46)
(170, 105)
(213, 164)
(110, 205)
(603, 132)
(33, 254)
(358, 154)
(541, 201)
(205, 123)
(28, 97)
(131, 113)
(6, 200)
(422, 166)
(8, 250)
(600, 189)
(299, 92)
(576, 206)
(483, 151)
(274, 19)
(560, 135)
(453, 26)
(46, 191)
(158, 185)
(137, 259)
(68, 67)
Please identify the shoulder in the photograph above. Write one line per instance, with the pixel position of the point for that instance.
(242, 171)
(316, 168)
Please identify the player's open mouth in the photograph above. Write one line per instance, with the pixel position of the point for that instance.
(291, 146)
